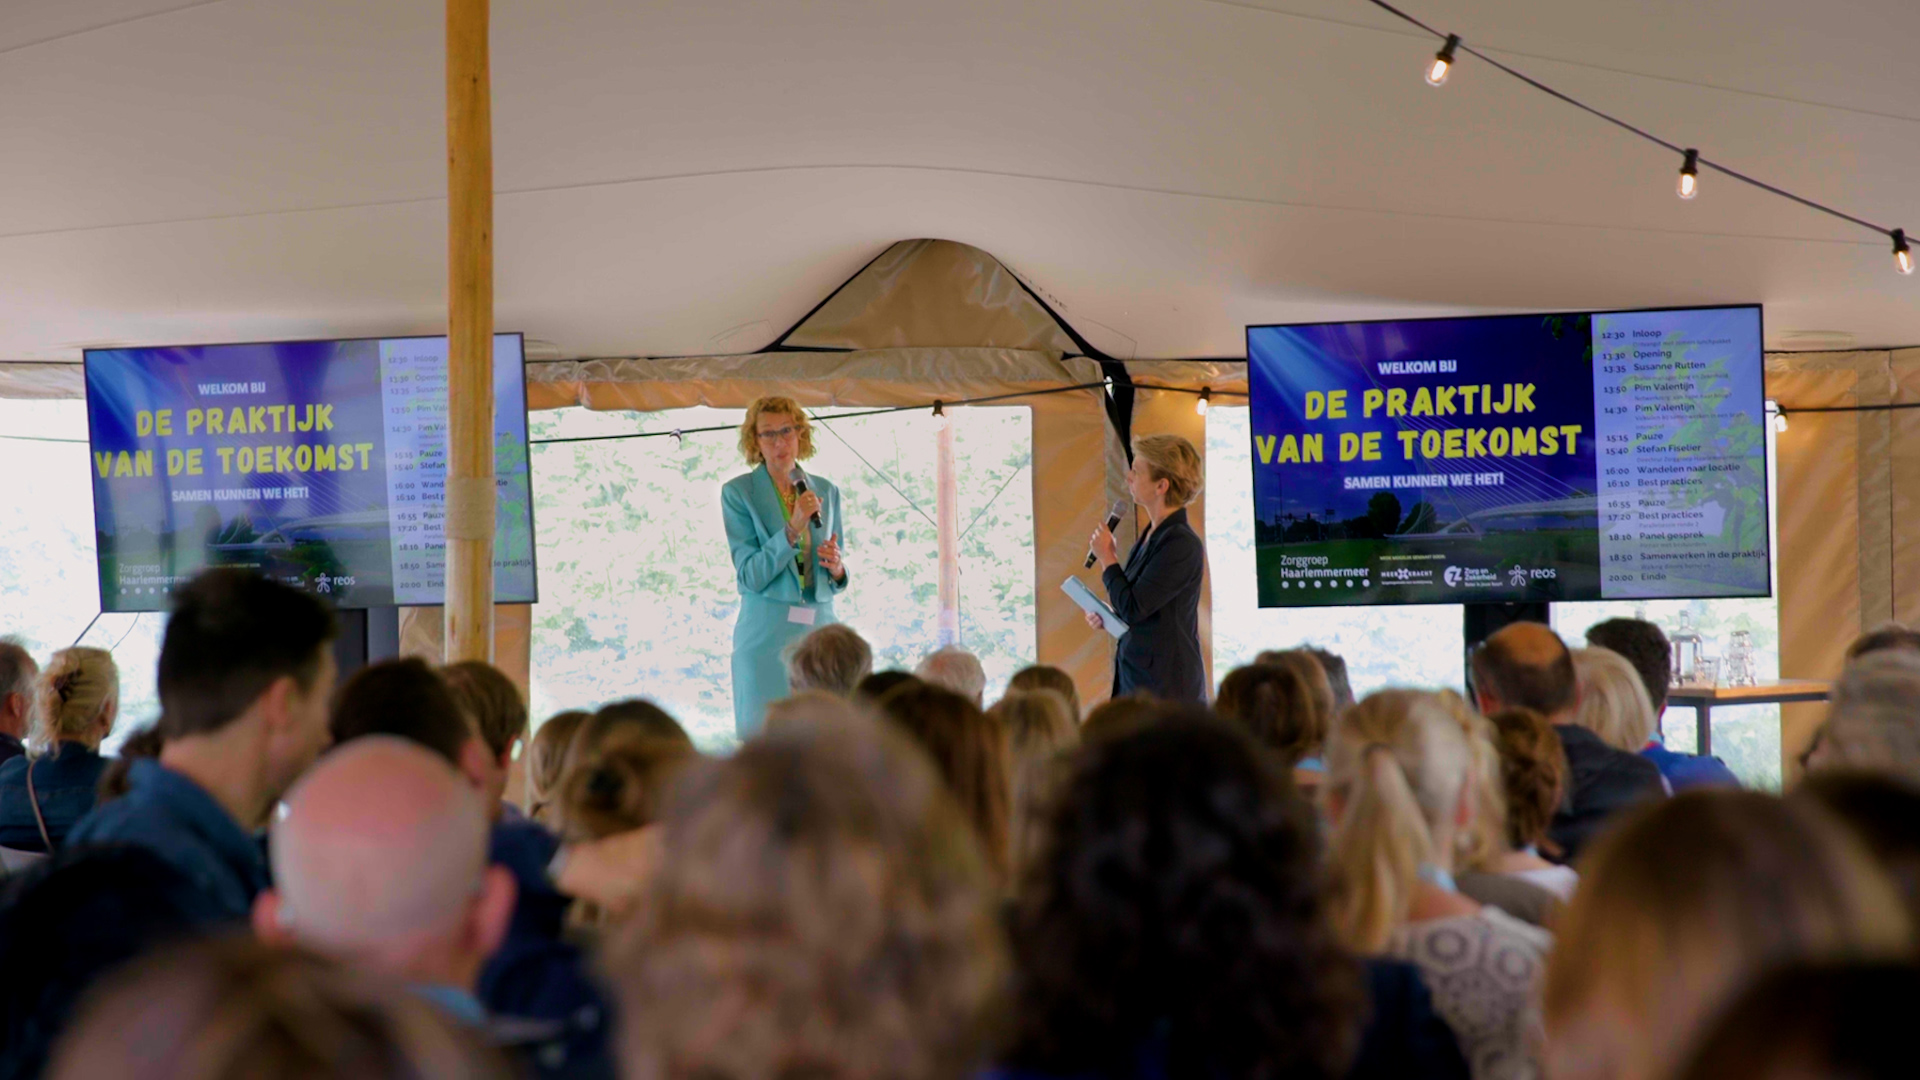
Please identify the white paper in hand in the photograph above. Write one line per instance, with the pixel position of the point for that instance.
(1083, 596)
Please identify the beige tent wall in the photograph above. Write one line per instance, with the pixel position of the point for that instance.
(1849, 492)
(1071, 470)
(1172, 412)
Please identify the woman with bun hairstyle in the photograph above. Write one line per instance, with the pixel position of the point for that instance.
(1399, 793)
(783, 527)
(75, 702)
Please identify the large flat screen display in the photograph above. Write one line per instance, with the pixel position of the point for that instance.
(319, 463)
(1583, 456)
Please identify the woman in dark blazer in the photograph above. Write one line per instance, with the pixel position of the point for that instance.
(1157, 592)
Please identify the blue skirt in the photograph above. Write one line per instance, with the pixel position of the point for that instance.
(760, 637)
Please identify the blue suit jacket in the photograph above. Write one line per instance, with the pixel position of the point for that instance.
(763, 561)
(1157, 594)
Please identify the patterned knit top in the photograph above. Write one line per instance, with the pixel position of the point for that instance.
(1484, 972)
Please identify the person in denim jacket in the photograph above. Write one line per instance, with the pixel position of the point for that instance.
(45, 791)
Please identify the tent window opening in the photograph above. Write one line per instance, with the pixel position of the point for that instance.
(637, 590)
(49, 574)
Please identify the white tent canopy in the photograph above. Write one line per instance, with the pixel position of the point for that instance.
(689, 178)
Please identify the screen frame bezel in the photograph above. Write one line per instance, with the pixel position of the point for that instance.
(1767, 460)
(526, 424)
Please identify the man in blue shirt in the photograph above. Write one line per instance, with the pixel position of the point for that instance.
(1645, 646)
(245, 677)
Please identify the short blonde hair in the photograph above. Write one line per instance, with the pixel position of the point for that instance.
(1173, 459)
(1613, 701)
(779, 406)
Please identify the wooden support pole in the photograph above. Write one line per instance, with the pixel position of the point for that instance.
(470, 494)
(947, 517)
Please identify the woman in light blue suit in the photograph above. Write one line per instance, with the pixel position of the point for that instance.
(788, 568)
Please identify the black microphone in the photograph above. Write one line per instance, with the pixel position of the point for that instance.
(1113, 522)
(800, 488)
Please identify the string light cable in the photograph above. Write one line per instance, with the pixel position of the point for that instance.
(1692, 161)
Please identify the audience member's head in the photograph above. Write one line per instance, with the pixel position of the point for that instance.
(1525, 665)
(1173, 459)
(546, 756)
(1613, 700)
(1685, 901)
(1845, 1021)
(1273, 704)
(1533, 775)
(814, 707)
(17, 672)
(1645, 647)
(407, 698)
(1047, 677)
(622, 787)
(68, 921)
(875, 686)
(955, 669)
(1873, 721)
(1883, 812)
(1121, 716)
(833, 658)
(969, 749)
(1483, 837)
(822, 909)
(1305, 664)
(380, 857)
(1890, 637)
(245, 670)
(77, 699)
(498, 715)
(1178, 889)
(1398, 766)
(1335, 667)
(232, 1008)
(631, 718)
(1041, 726)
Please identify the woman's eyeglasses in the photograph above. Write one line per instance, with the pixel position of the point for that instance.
(777, 434)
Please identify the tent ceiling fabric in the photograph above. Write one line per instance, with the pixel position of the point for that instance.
(681, 178)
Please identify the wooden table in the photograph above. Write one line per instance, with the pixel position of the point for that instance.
(1704, 698)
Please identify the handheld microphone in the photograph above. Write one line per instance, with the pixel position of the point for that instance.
(800, 488)
(1113, 522)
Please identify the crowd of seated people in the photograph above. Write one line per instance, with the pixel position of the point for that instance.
(396, 874)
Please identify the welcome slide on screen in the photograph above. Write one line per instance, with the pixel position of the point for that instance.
(319, 463)
(1587, 456)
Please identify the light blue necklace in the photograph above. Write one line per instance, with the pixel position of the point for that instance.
(1436, 877)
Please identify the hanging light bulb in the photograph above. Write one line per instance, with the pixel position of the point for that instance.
(1902, 255)
(1200, 406)
(1780, 422)
(1690, 175)
(1442, 62)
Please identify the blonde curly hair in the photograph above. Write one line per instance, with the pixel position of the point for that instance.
(779, 406)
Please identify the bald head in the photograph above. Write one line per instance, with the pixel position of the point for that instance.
(381, 845)
(1525, 665)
